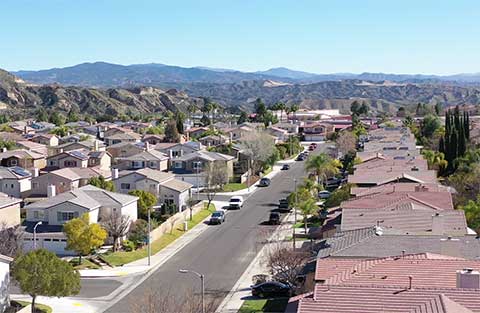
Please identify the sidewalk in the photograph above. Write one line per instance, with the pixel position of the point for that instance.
(241, 290)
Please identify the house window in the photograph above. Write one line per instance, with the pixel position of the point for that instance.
(34, 185)
(178, 164)
(70, 163)
(66, 216)
(38, 215)
(52, 163)
(125, 186)
(152, 164)
(11, 186)
(197, 165)
(13, 162)
(175, 154)
(137, 164)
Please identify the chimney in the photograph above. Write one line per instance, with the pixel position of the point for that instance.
(95, 145)
(438, 224)
(114, 173)
(51, 191)
(147, 146)
(4, 149)
(410, 278)
(468, 278)
(35, 172)
(25, 129)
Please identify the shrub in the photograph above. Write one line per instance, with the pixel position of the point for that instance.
(128, 245)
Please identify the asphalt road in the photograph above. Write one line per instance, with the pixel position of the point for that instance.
(222, 253)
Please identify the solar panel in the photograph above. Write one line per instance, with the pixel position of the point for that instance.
(78, 154)
(20, 171)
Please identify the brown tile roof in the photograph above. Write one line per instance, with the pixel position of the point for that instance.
(398, 187)
(381, 177)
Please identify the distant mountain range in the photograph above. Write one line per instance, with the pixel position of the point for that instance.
(104, 88)
(101, 74)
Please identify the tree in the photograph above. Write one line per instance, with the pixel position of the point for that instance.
(42, 273)
(57, 118)
(338, 196)
(429, 125)
(322, 165)
(11, 239)
(472, 213)
(293, 109)
(171, 132)
(42, 115)
(72, 116)
(205, 120)
(61, 131)
(191, 109)
(100, 182)
(259, 146)
(190, 203)
(83, 236)
(117, 226)
(7, 144)
(436, 160)
(346, 142)
(146, 201)
(307, 207)
(216, 176)
(242, 118)
(139, 232)
(179, 120)
(286, 264)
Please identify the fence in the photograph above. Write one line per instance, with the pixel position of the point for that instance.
(174, 221)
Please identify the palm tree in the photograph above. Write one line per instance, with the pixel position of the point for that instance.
(307, 207)
(191, 109)
(436, 160)
(294, 108)
(282, 107)
(322, 165)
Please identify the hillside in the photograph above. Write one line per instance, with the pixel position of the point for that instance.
(18, 97)
(333, 94)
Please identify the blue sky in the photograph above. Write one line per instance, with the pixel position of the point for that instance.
(321, 36)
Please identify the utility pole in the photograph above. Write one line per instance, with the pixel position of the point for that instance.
(149, 248)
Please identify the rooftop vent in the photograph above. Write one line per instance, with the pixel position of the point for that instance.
(468, 278)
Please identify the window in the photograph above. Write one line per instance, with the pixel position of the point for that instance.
(125, 186)
(13, 162)
(178, 164)
(197, 165)
(11, 186)
(38, 215)
(137, 164)
(70, 163)
(175, 154)
(152, 164)
(66, 216)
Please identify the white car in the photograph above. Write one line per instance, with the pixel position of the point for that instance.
(235, 202)
(324, 194)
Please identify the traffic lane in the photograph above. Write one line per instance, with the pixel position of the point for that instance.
(223, 252)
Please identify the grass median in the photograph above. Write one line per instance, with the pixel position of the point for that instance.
(40, 308)
(264, 305)
(234, 187)
(121, 257)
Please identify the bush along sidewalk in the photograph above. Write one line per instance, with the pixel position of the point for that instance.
(120, 258)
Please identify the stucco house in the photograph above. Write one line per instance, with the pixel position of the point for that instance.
(125, 149)
(22, 158)
(9, 210)
(179, 149)
(80, 158)
(46, 139)
(90, 144)
(65, 179)
(57, 210)
(15, 181)
(118, 137)
(149, 158)
(164, 186)
(4, 282)
(316, 131)
(213, 140)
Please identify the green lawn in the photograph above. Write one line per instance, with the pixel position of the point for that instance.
(264, 305)
(38, 307)
(86, 264)
(121, 257)
(234, 187)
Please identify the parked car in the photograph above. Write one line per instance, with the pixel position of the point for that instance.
(324, 194)
(235, 202)
(264, 182)
(274, 218)
(271, 289)
(218, 217)
(301, 157)
(283, 205)
(285, 167)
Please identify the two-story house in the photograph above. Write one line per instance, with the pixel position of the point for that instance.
(80, 158)
(59, 209)
(9, 210)
(46, 139)
(316, 131)
(22, 158)
(146, 159)
(15, 181)
(164, 186)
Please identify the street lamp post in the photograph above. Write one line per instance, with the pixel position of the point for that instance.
(198, 185)
(35, 234)
(295, 214)
(202, 280)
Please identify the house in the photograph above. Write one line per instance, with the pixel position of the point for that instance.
(125, 149)
(22, 158)
(22, 128)
(15, 181)
(149, 158)
(176, 150)
(291, 128)
(80, 158)
(153, 139)
(55, 211)
(239, 132)
(190, 167)
(423, 282)
(46, 139)
(281, 134)
(65, 179)
(89, 144)
(164, 186)
(316, 131)
(43, 126)
(4, 282)
(33, 146)
(398, 187)
(196, 132)
(213, 140)
(370, 243)
(116, 135)
(376, 177)
(9, 210)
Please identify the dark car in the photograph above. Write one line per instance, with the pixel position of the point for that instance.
(285, 167)
(218, 217)
(264, 182)
(283, 205)
(311, 148)
(301, 157)
(274, 218)
(271, 289)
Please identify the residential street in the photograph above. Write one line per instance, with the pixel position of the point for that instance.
(222, 253)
